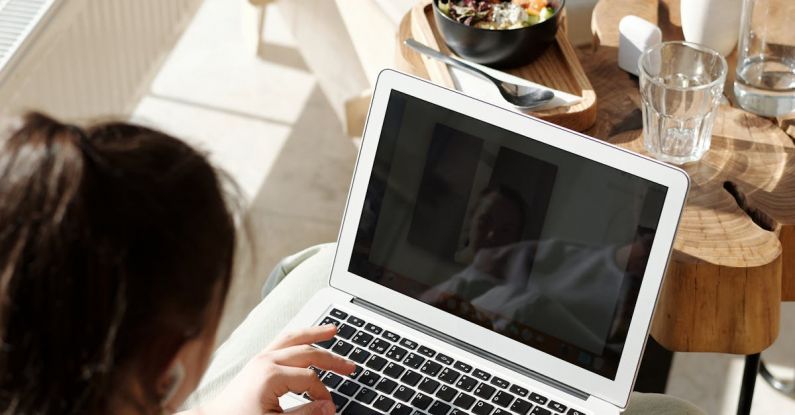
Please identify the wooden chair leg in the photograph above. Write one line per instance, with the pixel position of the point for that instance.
(253, 22)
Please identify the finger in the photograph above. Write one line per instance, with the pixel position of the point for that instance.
(298, 381)
(314, 408)
(308, 335)
(305, 356)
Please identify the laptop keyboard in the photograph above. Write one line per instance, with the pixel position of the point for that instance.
(397, 376)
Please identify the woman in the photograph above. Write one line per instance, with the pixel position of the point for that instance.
(116, 249)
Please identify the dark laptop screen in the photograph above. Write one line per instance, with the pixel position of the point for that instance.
(530, 241)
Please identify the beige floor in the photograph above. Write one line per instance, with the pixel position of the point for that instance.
(264, 120)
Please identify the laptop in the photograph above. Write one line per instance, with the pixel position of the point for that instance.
(491, 263)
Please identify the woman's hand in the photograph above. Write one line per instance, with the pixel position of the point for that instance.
(283, 367)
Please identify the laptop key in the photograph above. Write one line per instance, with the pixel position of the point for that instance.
(426, 351)
(346, 331)
(379, 346)
(401, 409)
(438, 408)
(519, 390)
(449, 375)
(411, 378)
(356, 372)
(411, 345)
(329, 320)
(444, 359)
(390, 336)
(326, 343)
(520, 406)
(466, 383)
(348, 388)
(431, 368)
(541, 400)
(356, 321)
(464, 401)
(366, 395)
(339, 400)
(557, 406)
(355, 408)
(404, 393)
(362, 339)
(499, 411)
(396, 353)
(376, 362)
(341, 348)
(382, 403)
(503, 399)
(372, 328)
(332, 380)
(414, 361)
(359, 356)
(457, 411)
(422, 401)
(369, 378)
(462, 367)
(485, 391)
(500, 382)
(573, 411)
(386, 385)
(481, 374)
(338, 314)
(482, 408)
(429, 385)
(393, 370)
(446, 393)
(540, 411)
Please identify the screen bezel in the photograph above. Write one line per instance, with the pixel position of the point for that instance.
(614, 391)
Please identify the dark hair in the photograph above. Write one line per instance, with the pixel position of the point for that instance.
(113, 242)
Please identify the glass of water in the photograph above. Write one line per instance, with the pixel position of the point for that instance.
(681, 86)
(765, 79)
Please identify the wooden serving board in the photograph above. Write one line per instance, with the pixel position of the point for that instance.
(558, 68)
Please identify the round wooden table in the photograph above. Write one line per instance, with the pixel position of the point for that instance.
(734, 259)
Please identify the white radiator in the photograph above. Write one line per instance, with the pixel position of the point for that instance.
(79, 59)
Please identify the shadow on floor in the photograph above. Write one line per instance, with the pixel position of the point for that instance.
(282, 55)
(299, 204)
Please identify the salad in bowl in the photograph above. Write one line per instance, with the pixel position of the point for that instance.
(497, 14)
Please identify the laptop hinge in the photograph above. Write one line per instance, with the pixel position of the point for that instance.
(472, 349)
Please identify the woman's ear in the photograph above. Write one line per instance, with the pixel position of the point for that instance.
(181, 377)
(168, 384)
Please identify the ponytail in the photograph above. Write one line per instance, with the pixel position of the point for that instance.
(112, 239)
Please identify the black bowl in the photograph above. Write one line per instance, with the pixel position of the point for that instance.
(498, 48)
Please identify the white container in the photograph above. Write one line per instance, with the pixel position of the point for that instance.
(712, 23)
(635, 35)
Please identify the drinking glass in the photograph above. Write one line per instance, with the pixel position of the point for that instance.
(765, 79)
(681, 86)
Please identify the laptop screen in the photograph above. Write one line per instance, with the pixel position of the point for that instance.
(535, 243)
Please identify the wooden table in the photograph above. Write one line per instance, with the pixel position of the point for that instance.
(734, 258)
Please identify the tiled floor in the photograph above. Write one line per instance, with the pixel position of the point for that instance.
(265, 121)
